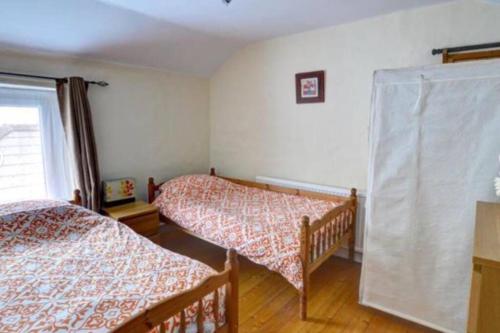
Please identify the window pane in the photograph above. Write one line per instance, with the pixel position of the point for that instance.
(21, 164)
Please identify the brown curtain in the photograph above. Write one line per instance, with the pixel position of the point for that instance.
(77, 122)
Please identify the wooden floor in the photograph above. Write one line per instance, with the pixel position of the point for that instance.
(270, 304)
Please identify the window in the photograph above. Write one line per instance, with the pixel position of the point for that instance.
(21, 163)
(33, 156)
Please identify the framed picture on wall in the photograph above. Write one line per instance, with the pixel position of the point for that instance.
(310, 87)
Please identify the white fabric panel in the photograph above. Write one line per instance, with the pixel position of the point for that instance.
(434, 144)
(56, 163)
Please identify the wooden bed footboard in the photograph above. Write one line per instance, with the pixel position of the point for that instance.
(155, 318)
(319, 239)
(322, 238)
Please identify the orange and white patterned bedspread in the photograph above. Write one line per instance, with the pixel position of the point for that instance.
(65, 269)
(263, 226)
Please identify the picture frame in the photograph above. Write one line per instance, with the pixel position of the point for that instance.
(118, 191)
(310, 87)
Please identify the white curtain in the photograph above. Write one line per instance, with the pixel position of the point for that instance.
(56, 164)
(434, 145)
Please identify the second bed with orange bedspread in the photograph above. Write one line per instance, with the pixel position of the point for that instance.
(263, 226)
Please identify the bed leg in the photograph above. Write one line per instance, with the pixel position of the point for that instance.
(303, 303)
(232, 296)
(352, 243)
(305, 241)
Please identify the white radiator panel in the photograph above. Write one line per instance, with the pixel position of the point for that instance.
(360, 220)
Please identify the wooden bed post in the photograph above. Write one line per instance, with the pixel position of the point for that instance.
(212, 172)
(77, 198)
(232, 291)
(352, 237)
(305, 247)
(151, 189)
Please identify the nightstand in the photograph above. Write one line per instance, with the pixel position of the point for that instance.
(140, 216)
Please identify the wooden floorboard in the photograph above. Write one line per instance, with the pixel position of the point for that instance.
(270, 304)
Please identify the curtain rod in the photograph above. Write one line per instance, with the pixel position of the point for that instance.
(466, 48)
(99, 83)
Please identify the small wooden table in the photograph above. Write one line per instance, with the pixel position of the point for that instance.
(140, 216)
(484, 306)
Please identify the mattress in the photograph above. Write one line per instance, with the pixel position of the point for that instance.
(64, 268)
(263, 226)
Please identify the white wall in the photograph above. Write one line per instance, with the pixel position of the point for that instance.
(147, 122)
(256, 127)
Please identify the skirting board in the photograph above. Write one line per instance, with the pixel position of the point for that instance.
(360, 220)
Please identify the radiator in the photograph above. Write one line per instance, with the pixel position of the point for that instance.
(360, 217)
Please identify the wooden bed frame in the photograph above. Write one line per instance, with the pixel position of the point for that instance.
(156, 316)
(318, 240)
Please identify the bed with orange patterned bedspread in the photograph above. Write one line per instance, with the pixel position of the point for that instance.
(64, 268)
(263, 226)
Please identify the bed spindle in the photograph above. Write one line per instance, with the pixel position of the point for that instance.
(182, 328)
(226, 300)
(327, 236)
(318, 243)
(199, 317)
(310, 252)
(346, 222)
(335, 229)
(323, 239)
(341, 228)
(330, 234)
(216, 308)
(341, 225)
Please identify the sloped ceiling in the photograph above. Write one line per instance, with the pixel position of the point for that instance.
(190, 36)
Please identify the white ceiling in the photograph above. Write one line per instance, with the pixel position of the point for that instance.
(191, 36)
